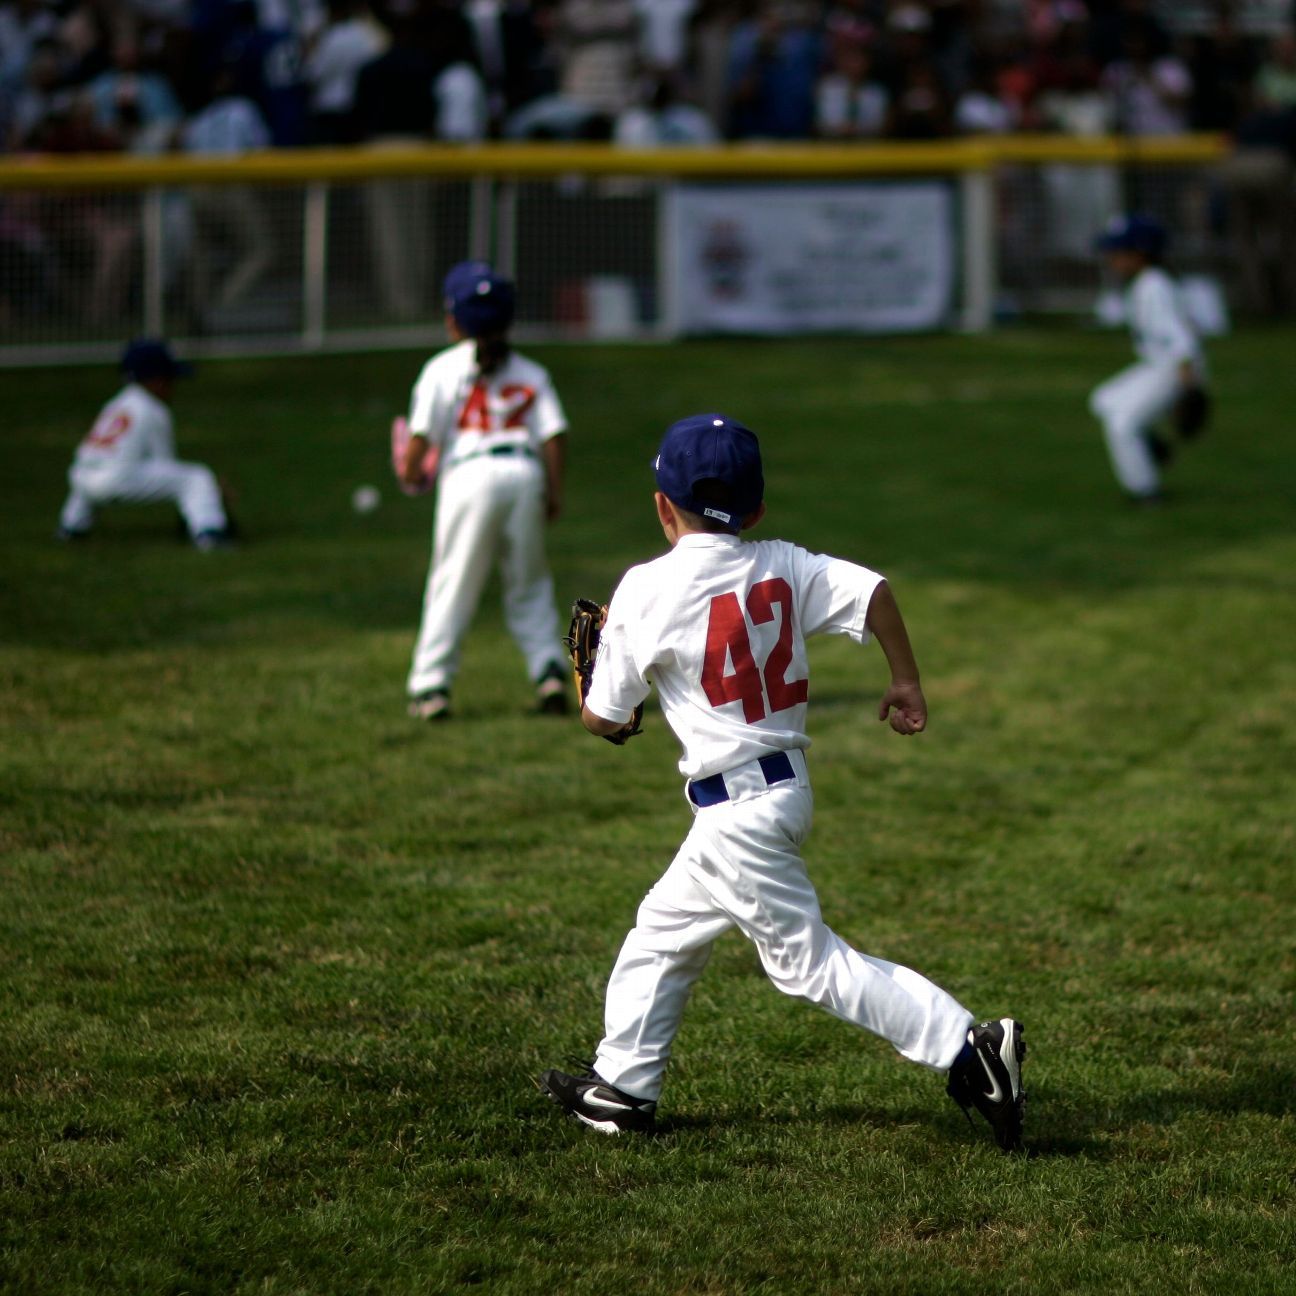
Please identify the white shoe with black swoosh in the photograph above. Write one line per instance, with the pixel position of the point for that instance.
(599, 1105)
(990, 1080)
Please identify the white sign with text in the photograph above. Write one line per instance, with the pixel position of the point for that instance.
(791, 258)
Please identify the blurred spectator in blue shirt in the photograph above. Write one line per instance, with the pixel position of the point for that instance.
(773, 65)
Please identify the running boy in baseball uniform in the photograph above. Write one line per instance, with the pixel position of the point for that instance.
(718, 624)
(1170, 374)
(128, 456)
(500, 429)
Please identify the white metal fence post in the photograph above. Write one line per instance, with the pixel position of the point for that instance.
(667, 304)
(980, 271)
(315, 264)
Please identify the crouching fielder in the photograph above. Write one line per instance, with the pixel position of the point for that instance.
(128, 456)
(1170, 375)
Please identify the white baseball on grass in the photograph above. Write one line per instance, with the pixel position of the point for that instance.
(364, 499)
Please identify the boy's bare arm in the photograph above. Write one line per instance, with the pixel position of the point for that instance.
(413, 466)
(597, 725)
(903, 702)
(554, 456)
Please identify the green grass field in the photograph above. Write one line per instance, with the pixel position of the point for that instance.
(279, 965)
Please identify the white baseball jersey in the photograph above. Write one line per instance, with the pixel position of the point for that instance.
(468, 414)
(1163, 332)
(719, 625)
(132, 427)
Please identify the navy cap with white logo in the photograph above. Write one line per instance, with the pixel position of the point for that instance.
(711, 448)
(147, 358)
(1133, 233)
(480, 300)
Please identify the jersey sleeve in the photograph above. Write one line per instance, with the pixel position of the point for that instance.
(1163, 321)
(619, 681)
(547, 417)
(159, 434)
(834, 595)
(428, 406)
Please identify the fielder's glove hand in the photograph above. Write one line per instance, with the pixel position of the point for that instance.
(582, 646)
(400, 439)
(1191, 412)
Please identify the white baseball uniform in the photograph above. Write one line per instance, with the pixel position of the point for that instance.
(128, 457)
(719, 625)
(1131, 403)
(490, 506)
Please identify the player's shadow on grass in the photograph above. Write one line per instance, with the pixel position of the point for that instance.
(1057, 1124)
(1101, 1130)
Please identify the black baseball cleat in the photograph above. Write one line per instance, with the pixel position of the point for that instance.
(551, 690)
(599, 1105)
(990, 1080)
(1159, 448)
(432, 705)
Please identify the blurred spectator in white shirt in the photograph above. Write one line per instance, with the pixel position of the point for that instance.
(1275, 83)
(31, 103)
(849, 103)
(598, 41)
(351, 38)
(230, 234)
(1151, 92)
(23, 23)
(979, 110)
(663, 34)
(514, 56)
(663, 120)
(229, 125)
(138, 106)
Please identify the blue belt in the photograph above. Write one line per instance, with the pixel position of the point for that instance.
(712, 791)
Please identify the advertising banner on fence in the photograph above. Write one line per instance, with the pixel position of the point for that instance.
(788, 258)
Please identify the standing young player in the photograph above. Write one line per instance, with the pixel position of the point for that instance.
(128, 456)
(497, 422)
(719, 625)
(1170, 376)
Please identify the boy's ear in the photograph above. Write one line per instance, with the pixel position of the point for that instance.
(753, 518)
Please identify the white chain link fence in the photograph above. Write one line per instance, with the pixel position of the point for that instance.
(246, 265)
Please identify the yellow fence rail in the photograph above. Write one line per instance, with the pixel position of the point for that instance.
(538, 161)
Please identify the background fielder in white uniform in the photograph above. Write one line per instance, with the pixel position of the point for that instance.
(500, 429)
(719, 625)
(128, 456)
(1131, 404)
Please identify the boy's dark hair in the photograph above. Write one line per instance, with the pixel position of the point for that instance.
(492, 351)
(710, 492)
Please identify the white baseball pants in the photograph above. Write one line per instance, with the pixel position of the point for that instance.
(488, 509)
(1129, 405)
(740, 866)
(191, 487)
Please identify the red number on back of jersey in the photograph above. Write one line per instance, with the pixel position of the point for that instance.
(727, 640)
(108, 432)
(760, 607)
(475, 415)
(514, 403)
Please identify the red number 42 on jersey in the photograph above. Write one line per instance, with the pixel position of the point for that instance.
(760, 691)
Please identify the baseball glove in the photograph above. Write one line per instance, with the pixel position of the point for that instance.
(582, 646)
(1191, 412)
(400, 439)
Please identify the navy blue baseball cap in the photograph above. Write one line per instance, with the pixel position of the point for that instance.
(711, 447)
(146, 358)
(480, 300)
(1133, 233)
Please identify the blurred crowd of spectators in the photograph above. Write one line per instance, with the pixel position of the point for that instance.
(226, 76)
